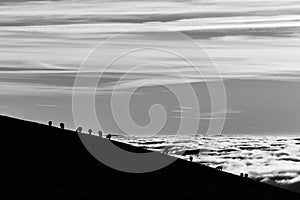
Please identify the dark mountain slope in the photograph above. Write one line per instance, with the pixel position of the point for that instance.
(41, 162)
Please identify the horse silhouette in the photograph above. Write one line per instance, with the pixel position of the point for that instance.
(219, 168)
(100, 133)
(62, 125)
(79, 130)
(108, 136)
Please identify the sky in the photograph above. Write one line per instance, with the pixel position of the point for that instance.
(251, 45)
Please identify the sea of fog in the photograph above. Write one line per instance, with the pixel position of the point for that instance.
(271, 159)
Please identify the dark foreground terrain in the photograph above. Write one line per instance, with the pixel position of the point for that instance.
(41, 162)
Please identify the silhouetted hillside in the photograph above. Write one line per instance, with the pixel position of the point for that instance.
(41, 162)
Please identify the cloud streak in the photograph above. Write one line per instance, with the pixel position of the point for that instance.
(47, 27)
(43, 44)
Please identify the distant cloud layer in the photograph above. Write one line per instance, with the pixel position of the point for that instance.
(268, 159)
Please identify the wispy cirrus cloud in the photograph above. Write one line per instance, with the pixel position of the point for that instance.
(43, 44)
(74, 27)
